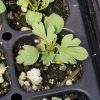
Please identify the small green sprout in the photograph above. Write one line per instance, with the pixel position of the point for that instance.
(34, 5)
(69, 51)
(2, 7)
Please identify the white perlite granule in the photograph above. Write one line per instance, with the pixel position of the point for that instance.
(1, 78)
(69, 82)
(3, 68)
(24, 9)
(44, 99)
(33, 75)
(25, 28)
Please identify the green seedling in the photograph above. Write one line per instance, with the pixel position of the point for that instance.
(68, 51)
(34, 5)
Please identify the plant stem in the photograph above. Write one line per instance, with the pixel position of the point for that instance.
(31, 5)
(71, 76)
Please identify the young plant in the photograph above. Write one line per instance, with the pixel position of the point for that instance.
(69, 51)
(2, 7)
(34, 5)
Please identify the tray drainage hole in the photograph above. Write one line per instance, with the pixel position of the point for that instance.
(16, 97)
(7, 36)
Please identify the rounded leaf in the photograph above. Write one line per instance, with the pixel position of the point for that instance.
(56, 21)
(2, 7)
(32, 17)
(68, 40)
(23, 3)
(78, 53)
(28, 55)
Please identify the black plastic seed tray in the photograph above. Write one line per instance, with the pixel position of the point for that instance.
(92, 24)
(78, 22)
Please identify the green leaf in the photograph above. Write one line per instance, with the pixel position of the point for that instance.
(47, 57)
(51, 36)
(52, 1)
(36, 5)
(44, 4)
(56, 98)
(23, 3)
(33, 17)
(28, 55)
(2, 7)
(69, 41)
(78, 53)
(70, 51)
(58, 59)
(56, 21)
(39, 30)
(66, 57)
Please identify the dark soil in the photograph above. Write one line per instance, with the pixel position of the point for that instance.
(16, 18)
(69, 97)
(48, 73)
(5, 86)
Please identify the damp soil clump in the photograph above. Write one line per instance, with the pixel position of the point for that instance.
(16, 18)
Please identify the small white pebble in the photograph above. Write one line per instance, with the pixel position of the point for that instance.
(1, 79)
(17, 23)
(68, 98)
(21, 82)
(2, 68)
(34, 87)
(22, 76)
(69, 82)
(51, 81)
(25, 28)
(73, 79)
(26, 83)
(36, 41)
(47, 87)
(44, 99)
(2, 57)
(24, 9)
(70, 72)
(62, 67)
(74, 65)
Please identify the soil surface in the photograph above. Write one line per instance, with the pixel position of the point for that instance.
(16, 18)
(54, 75)
(5, 86)
(68, 97)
